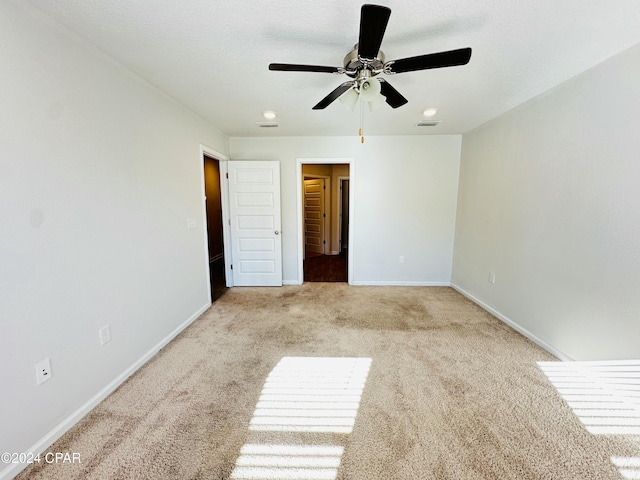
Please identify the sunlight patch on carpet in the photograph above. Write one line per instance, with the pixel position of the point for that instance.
(605, 396)
(309, 394)
(629, 467)
(288, 461)
(304, 395)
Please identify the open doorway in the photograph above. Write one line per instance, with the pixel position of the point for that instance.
(325, 222)
(215, 234)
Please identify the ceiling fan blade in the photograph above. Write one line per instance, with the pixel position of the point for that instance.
(290, 67)
(431, 60)
(373, 23)
(326, 101)
(394, 98)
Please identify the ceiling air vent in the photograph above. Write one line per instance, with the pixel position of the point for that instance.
(428, 123)
(267, 124)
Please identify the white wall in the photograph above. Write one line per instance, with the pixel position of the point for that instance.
(405, 201)
(98, 174)
(549, 201)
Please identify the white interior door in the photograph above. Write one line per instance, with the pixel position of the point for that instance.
(254, 194)
(314, 216)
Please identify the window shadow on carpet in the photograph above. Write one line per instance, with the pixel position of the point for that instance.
(305, 405)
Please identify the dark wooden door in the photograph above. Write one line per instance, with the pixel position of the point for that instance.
(214, 227)
(344, 228)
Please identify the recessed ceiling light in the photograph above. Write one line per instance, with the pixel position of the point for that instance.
(430, 112)
(269, 115)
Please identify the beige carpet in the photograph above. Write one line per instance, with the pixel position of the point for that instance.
(423, 384)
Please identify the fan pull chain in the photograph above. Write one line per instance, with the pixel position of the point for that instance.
(360, 132)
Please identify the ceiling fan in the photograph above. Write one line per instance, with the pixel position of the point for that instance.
(366, 61)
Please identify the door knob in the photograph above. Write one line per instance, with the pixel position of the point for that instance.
(277, 232)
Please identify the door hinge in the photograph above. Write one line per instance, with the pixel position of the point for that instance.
(324, 215)
(324, 242)
(229, 222)
(232, 266)
(324, 187)
(227, 174)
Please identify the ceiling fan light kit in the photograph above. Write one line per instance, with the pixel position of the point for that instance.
(350, 98)
(370, 89)
(367, 89)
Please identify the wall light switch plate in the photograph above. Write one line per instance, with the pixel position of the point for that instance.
(492, 278)
(191, 223)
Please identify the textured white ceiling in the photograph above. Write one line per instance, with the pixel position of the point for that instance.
(213, 56)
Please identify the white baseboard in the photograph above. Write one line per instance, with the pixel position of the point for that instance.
(64, 426)
(538, 341)
(384, 283)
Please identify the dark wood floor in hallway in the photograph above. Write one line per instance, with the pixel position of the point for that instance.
(325, 268)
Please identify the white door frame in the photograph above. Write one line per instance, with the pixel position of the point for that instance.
(328, 161)
(224, 193)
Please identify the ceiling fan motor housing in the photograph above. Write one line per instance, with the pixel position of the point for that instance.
(353, 64)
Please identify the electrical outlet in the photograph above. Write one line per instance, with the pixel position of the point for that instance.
(492, 278)
(43, 371)
(401, 260)
(105, 334)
